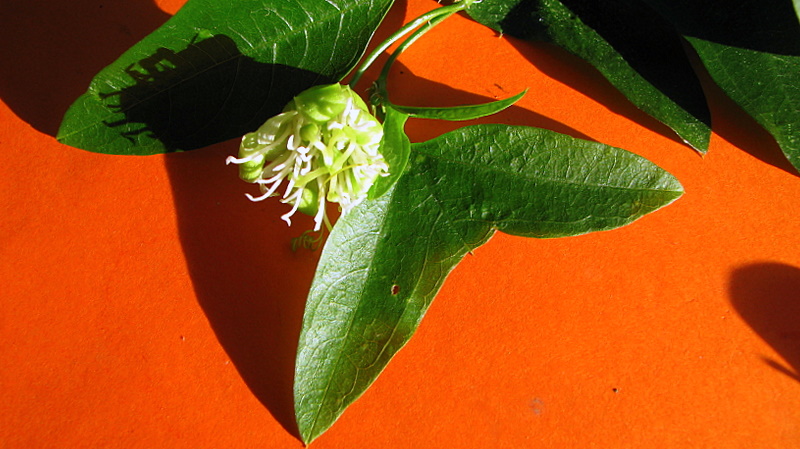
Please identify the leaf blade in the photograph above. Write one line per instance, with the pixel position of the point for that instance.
(385, 261)
(217, 70)
(395, 148)
(752, 51)
(616, 38)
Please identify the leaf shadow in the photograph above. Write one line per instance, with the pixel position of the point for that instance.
(207, 92)
(581, 76)
(767, 297)
(49, 52)
(734, 125)
(250, 285)
(770, 26)
(248, 282)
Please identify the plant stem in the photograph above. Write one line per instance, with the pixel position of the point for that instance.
(429, 19)
(407, 43)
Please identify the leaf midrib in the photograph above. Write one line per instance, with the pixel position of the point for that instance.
(339, 357)
(524, 175)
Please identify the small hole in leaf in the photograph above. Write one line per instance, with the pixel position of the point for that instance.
(395, 289)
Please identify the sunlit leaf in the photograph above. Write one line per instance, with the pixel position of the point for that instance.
(384, 261)
(395, 148)
(460, 113)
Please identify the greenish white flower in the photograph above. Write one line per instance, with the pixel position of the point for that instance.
(324, 146)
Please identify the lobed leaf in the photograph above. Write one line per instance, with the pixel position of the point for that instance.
(216, 70)
(384, 261)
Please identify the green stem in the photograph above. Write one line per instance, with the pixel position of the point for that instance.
(428, 18)
(402, 47)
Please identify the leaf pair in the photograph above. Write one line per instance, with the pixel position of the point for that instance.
(751, 49)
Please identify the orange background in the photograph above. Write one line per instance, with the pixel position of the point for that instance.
(146, 303)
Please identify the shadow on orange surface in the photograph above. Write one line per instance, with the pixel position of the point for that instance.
(250, 285)
(729, 120)
(581, 76)
(767, 296)
(51, 50)
(408, 89)
(743, 132)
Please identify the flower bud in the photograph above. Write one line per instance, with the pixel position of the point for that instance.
(323, 147)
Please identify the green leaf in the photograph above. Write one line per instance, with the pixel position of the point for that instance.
(765, 85)
(752, 51)
(216, 70)
(384, 261)
(633, 46)
(459, 113)
(395, 148)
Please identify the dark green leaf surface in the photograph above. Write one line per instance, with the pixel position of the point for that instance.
(765, 85)
(752, 50)
(384, 262)
(460, 113)
(217, 70)
(632, 45)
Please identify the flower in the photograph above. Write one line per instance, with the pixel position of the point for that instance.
(324, 146)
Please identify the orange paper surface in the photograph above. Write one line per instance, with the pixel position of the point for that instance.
(145, 302)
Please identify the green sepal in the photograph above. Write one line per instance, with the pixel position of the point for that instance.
(395, 148)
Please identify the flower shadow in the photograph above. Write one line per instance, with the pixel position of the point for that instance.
(767, 297)
(249, 283)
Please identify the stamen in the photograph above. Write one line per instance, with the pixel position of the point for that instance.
(256, 199)
(329, 155)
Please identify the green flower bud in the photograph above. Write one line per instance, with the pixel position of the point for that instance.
(323, 147)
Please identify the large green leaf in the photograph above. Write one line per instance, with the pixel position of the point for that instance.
(631, 44)
(384, 261)
(752, 50)
(216, 70)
